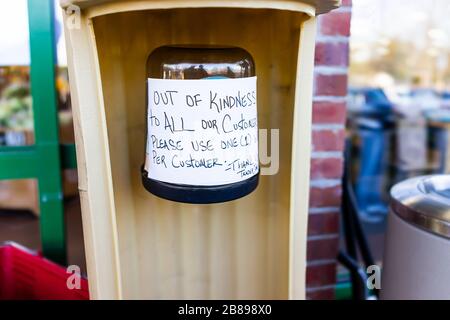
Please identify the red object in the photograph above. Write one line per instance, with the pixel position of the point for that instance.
(328, 141)
(336, 23)
(330, 112)
(331, 85)
(24, 275)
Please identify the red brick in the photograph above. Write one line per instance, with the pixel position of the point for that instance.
(327, 168)
(321, 275)
(323, 223)
(346, 3)
(329, 112)
(328, 140)
(331, 54)
(325, 197)
(335, 23)
(324, 294)
(322, 249)
(331, 85)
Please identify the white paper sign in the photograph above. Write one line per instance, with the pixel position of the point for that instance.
(202, 132)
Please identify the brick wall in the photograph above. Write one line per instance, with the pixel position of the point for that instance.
(329, 108)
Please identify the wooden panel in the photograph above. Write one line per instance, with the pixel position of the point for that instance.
(94, 169)
(301, 147)
(169, 250)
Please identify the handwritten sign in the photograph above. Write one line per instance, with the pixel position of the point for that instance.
(202, 132)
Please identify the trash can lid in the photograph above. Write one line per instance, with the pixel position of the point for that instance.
(424, 202)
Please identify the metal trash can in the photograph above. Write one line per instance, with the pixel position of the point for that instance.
(417, 246)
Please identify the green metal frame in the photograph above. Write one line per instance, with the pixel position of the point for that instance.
(343, 288)
(42, 161)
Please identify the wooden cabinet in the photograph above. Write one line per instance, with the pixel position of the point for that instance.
(140, 246)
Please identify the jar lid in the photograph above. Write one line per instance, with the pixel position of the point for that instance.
(424, 202)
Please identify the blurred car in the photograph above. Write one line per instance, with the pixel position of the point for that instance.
(369, 102)
(371, 120)
(426, 99)
(445, 99)
(415, 103)
(402, 102)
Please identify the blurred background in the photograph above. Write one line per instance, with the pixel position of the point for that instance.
(398, 115)
(19, 199)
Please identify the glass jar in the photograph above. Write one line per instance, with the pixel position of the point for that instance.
(202, 129)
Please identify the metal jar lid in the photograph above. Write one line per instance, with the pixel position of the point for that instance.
(424, 202)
